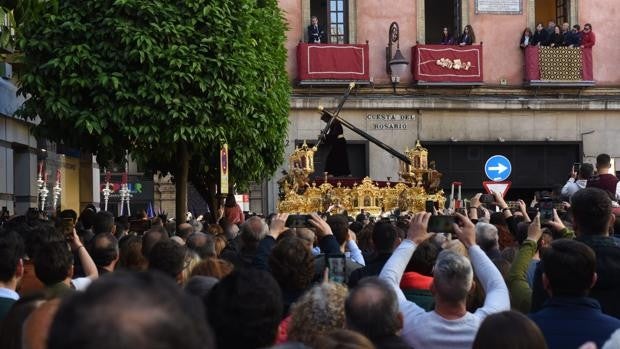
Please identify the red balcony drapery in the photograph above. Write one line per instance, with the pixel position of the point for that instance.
(332, 61)
(441, 63)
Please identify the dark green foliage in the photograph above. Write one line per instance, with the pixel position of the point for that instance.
(144, 75)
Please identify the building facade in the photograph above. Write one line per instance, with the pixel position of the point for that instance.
(22, 157)
(542, 126)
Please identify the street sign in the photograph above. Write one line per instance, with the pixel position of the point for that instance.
(498, 187)
(497, 168)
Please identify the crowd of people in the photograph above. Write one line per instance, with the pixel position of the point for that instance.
(497, 278)
(559, 36)
(551, 36)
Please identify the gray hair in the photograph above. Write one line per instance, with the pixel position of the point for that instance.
(196, 225)
(253, 230)
(452, 276)
(487, 236)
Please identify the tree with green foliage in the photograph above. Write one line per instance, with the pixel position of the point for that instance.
(169, 81)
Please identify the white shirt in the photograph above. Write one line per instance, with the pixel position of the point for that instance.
(572, 186)
(8, 293)
(355, 253)
(428, 329)
(81, 284)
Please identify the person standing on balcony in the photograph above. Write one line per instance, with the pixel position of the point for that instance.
(550, 28)
(526, 38)
(588, 39)
(540, 37)
(446, 38)
(565, 33)
(316, 34)
(468, 37)
(556, 39)
(574, 37)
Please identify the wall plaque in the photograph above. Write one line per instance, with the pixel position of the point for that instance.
(501, 7)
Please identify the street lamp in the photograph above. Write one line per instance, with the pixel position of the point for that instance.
(395, 65)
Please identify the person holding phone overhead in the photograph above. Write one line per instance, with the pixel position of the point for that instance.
(578, 179)
(449, 325)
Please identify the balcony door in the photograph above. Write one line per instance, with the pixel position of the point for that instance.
(439, 14)
(552, 10)
(333, 17)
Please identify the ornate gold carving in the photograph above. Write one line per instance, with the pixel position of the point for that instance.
(421, 179)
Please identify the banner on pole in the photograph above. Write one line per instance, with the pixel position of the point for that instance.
(224, 169)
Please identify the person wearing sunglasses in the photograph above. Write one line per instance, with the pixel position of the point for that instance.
(588, 39)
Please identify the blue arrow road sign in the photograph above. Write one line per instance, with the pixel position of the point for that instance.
(497, 168)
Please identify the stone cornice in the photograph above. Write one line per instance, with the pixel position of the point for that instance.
(604, 101)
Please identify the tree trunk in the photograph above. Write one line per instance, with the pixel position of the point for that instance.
(181, 178)
(213, 201)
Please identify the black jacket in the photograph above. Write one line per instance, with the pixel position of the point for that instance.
(540, 37)
(316, 35)
(556, 40)
(372, 268)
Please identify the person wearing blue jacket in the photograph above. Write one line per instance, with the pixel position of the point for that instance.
(570, 318)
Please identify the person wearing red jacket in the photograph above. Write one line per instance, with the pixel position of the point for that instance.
(588, 39)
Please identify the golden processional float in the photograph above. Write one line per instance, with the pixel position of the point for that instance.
(420, 181)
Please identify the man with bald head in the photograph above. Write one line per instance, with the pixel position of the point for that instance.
(104, 251)
(372, 310)
(184, 231)
(152, 237)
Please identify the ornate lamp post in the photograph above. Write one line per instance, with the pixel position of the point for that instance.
(395, 65)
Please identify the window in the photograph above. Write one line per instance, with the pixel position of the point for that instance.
(333, 16)
(561, 11)
(337, 24)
